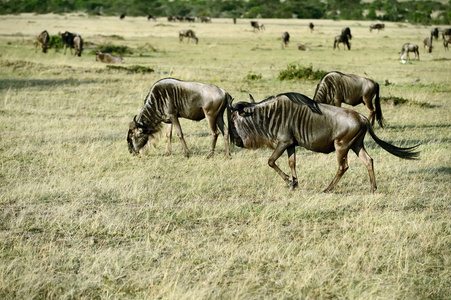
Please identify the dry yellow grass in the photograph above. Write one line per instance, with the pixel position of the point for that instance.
(81, 218)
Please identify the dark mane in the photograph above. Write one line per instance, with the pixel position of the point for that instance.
(303, 100)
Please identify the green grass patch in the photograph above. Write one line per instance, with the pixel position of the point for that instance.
(296, 71)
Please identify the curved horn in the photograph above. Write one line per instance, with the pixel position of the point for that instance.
(230, 104)
(251, 98)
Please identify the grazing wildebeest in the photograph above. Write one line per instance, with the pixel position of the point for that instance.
(291, 119)
(346, 31)
(68, 41)
(336, 88)
(285, 38)
(378, 26)
(108, 58)
(406, 48)
(303, 47)
(257, 25)
(42, 38)
(204, 19)
(311, 26)
(189, 34)
(342, 38)
(427, 42)
(170, 99)
(434, 33)
(151, 17)
(78, 45)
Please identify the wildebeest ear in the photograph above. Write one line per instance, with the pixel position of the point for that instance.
(251, 98)
(132, 126)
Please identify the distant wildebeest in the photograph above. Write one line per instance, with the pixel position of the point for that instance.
(434, 33)
(311, 26)
(190, 19)
(336, 88)
(172, 18)
(151, 17)
(108, 58)
(427, 42)
(303, 47)
(285, 38)
(291, 119)
(257, 25)
(180, 18)
(342, 38)
(406, 48)
(122, 16)
(43, 39)
(446, 34)
(170, 99)
(205, 19)
(347, 31)
(188, 34)
(78, 45)
(378, 26)
(68, 41)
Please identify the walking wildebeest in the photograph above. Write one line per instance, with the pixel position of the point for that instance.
(285, 39)
(188, 34)
(406, 48)
(427, 42)
(342, 38)
(336, 88)
(311, 26)
(291, 119)
(170, 99)
(42, 38)
(346, 31)
(257, 25)
(378, 26)
(108, 58)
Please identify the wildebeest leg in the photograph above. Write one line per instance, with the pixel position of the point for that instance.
(359, 149)
(178, 128)
(225, 133)
(169, 136)
(342, 158)
(369, 105)
(280, 148)
(291, 151)
(214, 135)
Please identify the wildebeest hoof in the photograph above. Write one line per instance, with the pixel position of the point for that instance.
(210, 155)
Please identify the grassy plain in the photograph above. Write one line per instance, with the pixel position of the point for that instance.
(81, 218)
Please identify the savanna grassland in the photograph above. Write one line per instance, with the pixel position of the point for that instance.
(82, 218)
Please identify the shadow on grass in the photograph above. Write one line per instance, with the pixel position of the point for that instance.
(27, 83)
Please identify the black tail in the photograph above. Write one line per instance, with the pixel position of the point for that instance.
(404, 153)
(377, 103)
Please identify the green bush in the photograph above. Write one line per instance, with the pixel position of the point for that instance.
(115, 50)
(295, 71)
(55, 42)
(251, 76)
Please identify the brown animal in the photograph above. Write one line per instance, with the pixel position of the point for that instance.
(406, 48)
(108, 58)
(378, 26)
(291, 119)
(303, 47)
(42, 38)
(257, 25)
(311, 26)
(78, 45)
(170, 99)
(342, 38)
(446, 34)
(427, 42)
(188, 34)
(204, 19)
(336, 88)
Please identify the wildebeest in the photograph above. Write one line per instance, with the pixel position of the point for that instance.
(172, 18)
(336, 88)
(434, 33)
(311, 26)
(78, 45)
(42, 38)
(347, 31)
(108, 58)
(151, 17)
(446, 34)
(205, 19)
(257, 25)
(406, 48)
(190, 19)
(378, 26)
(68, 41)
(342, 38)
(427, 42)
(170, 99)
(291, 119)
(285, 38)
(188, 34)
(122, 16)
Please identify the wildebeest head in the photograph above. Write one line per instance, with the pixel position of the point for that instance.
(138, 136)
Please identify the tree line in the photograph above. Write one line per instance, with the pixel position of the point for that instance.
(419, 12)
